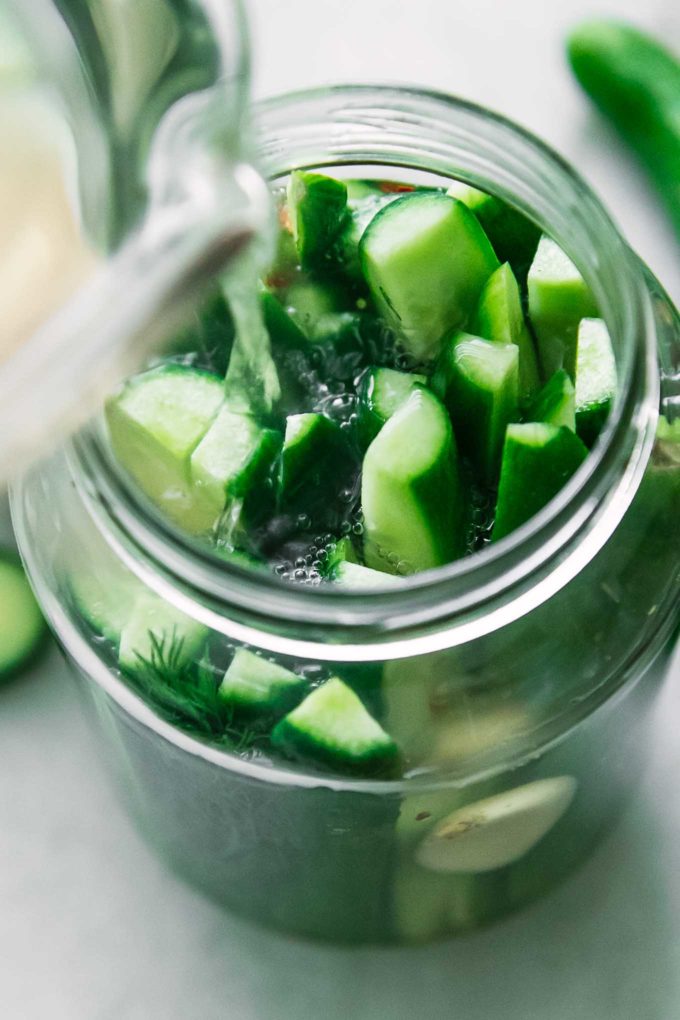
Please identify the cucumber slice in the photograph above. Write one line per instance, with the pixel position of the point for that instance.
(538, 460)
(555, 403)
(479, 382)
(155, 423)
(317, 206)
(513, 235)
(499, 317)
(315, 462)
(595, 379)
(22, 628)
(158, 634)
(382, 391)
(496, 832)
(232, 459)
(559, 298)
(411, 493)
(333, 727)
(425, 259)
(255, 686)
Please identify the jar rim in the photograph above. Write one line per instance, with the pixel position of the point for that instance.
(462, 600)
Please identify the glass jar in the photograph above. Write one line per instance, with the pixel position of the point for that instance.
(521, 679)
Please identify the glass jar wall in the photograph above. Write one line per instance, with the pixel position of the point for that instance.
(519, 682)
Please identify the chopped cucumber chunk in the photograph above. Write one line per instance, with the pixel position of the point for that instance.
(253, 686)
(595, 378)
(333, 727)
(317, 206)
(497, 831)
(559, 298)
(479, 382)
(339, 328)
(555, 403)
(499, 316)
(381, 393)
(425, 259)
(359, 188)
(538, 460)
(159, 635)
(283, 330)
(362, 209)
(344, 552)
(155, 423)
(412, 497)
(307, 302)
(513, 235)
(104, 603)
(354, 575)
(316, 456)
(233, 457)
(22, 628)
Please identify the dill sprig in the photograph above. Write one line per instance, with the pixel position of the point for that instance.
(185, 693)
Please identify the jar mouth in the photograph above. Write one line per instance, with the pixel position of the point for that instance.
(419, 130)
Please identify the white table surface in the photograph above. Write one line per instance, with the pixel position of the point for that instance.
(93, 928)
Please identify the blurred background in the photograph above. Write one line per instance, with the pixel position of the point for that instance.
(92, 927)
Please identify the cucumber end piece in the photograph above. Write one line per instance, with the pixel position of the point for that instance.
(23, 631)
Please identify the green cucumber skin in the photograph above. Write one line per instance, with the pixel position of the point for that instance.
(499, 317)
(372, 416)
(243, 691)
(36, 640)
(479, 416)
(532, 475)
(216, 487)
(317, 206)
(428, 319)
(300, 740)
(555, 403)
(445, 519)
(514, 237)
(283, 330)
(311, 467)
(590, 421)
(635, 82)
(296, 746)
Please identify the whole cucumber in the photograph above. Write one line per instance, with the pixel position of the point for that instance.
(635, 82)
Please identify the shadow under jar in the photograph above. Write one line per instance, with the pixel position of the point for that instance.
(522, 678)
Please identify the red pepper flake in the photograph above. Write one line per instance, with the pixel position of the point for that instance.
(279, 280)
(392, 188)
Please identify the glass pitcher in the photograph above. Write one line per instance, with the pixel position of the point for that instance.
(125, 157)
